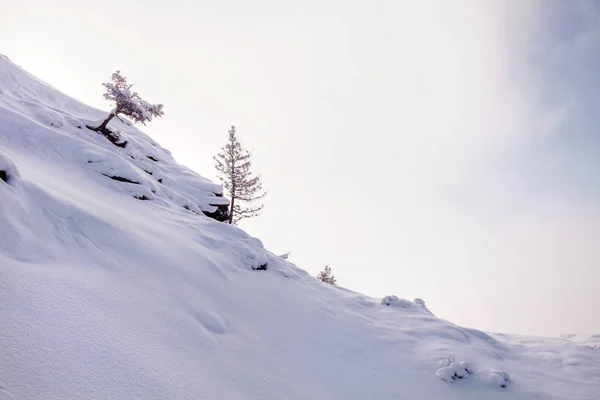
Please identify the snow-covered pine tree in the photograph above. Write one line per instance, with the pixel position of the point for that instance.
(127, 103)
(233, 164)
(327, 276)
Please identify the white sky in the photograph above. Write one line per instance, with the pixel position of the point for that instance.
(420, 148)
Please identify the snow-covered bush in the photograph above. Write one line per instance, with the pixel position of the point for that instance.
(127, 103)
(454, 371)
(327, 276)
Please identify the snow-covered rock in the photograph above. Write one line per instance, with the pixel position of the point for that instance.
(8, 171)
(496, 378)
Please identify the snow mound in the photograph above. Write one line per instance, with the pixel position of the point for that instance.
(115, 285)
(499, 378)
(418, 306)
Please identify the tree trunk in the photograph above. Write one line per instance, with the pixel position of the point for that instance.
(231, 210)
(102, 128)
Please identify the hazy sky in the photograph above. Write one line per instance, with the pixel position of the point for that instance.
(447, 150)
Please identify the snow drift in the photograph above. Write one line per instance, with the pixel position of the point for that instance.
(104, 295)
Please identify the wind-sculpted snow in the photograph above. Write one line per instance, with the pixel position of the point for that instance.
(105, 296)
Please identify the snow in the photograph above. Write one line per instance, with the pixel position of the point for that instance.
(104, 296)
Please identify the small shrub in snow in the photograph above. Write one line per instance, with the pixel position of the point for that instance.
(447, 361)
(455, 370)
(327, 276)
(127, 103)
(463, 369)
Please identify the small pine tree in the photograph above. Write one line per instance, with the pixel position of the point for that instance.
(327, 276)
(233, 164)
(127, 103)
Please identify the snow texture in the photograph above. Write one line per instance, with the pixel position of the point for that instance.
(104, 296)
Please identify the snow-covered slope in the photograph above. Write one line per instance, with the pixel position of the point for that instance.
(105, 296)
(35, 116)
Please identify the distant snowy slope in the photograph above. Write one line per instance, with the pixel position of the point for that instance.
(107, 296)
(588, 340)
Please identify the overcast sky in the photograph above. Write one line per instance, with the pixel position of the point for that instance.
(447, 150)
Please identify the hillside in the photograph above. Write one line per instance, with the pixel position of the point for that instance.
(115, 285)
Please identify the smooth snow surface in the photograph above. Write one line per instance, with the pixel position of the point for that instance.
(105, 296)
